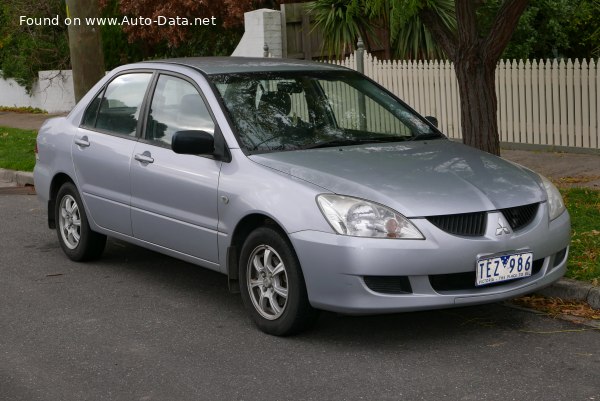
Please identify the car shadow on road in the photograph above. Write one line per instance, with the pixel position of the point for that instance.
(209, 289)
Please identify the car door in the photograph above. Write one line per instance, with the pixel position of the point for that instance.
(174, 196)
(103, 147)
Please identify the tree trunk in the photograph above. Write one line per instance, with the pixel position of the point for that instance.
(87, 58)
(476, 83)
(475, 56)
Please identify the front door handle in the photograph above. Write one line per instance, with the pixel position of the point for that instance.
(145, 157)
(82, 142)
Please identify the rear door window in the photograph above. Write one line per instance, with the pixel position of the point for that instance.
(118, 110)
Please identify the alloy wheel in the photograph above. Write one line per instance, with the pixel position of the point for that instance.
(267, 282)
(69, 221)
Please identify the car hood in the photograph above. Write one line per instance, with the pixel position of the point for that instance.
(416, 179)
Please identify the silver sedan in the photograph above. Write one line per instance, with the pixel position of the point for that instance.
(310, 186)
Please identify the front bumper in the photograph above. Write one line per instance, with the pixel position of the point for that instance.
(335, 266)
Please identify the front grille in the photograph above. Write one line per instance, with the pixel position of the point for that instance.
(466, 224)
(520, 216)
(473, 224)
(388, 284)
(466, 281)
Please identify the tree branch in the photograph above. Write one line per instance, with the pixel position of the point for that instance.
(443, 36)
(502, 28)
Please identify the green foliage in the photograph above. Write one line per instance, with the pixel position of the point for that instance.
(551, 29)
(584, 208)
(17, 149)
(595, 36)
(28, 109)
(584, 30)
(215, 41)
(202, 41)
(114, 41)
(410, 37)
(342, 22)
(25, 50)
(547, 28)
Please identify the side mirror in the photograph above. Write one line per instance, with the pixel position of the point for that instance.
(432, 120)
(193, 143)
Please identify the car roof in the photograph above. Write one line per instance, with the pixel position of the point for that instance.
(231, 65)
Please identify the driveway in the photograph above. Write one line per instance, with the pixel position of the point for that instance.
(24, 120)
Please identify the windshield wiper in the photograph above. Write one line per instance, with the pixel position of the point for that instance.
(355, 141)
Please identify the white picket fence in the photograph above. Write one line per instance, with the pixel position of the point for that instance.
(550, 102)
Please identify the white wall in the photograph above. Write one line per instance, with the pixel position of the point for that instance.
(53, 92)
(261, 26)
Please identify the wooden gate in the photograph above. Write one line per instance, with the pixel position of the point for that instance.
(300, 40)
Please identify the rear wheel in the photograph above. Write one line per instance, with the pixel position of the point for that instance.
(272, 285)
(76, 238)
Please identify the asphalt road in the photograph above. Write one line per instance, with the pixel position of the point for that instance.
(140, 326)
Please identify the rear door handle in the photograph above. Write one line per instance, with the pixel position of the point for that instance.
(145, 157)
(82, 142)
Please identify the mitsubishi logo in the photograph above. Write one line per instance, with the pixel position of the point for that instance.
(503, 227)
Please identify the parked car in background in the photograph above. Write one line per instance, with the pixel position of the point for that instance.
(309, 185)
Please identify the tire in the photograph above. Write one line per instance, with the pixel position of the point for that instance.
(76, 238)
(272, 285)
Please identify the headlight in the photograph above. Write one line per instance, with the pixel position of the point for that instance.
(361, 218)
(555, 202)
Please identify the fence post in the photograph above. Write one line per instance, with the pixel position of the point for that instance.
(360, 56)
(360, 67)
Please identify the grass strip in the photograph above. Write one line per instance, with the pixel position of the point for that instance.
(17, 149)
(584, 258)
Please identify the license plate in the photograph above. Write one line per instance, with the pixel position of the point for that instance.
(502, 268)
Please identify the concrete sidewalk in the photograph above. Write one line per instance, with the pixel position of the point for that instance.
(563, 168)
(24, 120)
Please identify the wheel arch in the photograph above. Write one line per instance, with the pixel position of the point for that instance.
(241, 231)
(57, 181)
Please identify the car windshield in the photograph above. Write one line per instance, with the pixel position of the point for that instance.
(314, 109)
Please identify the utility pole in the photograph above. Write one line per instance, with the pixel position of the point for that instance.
(85, 45)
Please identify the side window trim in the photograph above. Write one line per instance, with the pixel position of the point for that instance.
(148, 102)
(145, 107)
(101, 94)
(102, 91)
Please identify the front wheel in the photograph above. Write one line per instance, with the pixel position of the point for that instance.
(76, 238)
(272, 285)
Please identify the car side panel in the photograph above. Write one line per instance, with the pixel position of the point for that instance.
(174, 201)
(102, 171)
(54, 151)
(250, 188)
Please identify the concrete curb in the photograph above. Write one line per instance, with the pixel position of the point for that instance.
(21, 178)
(573, 290)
